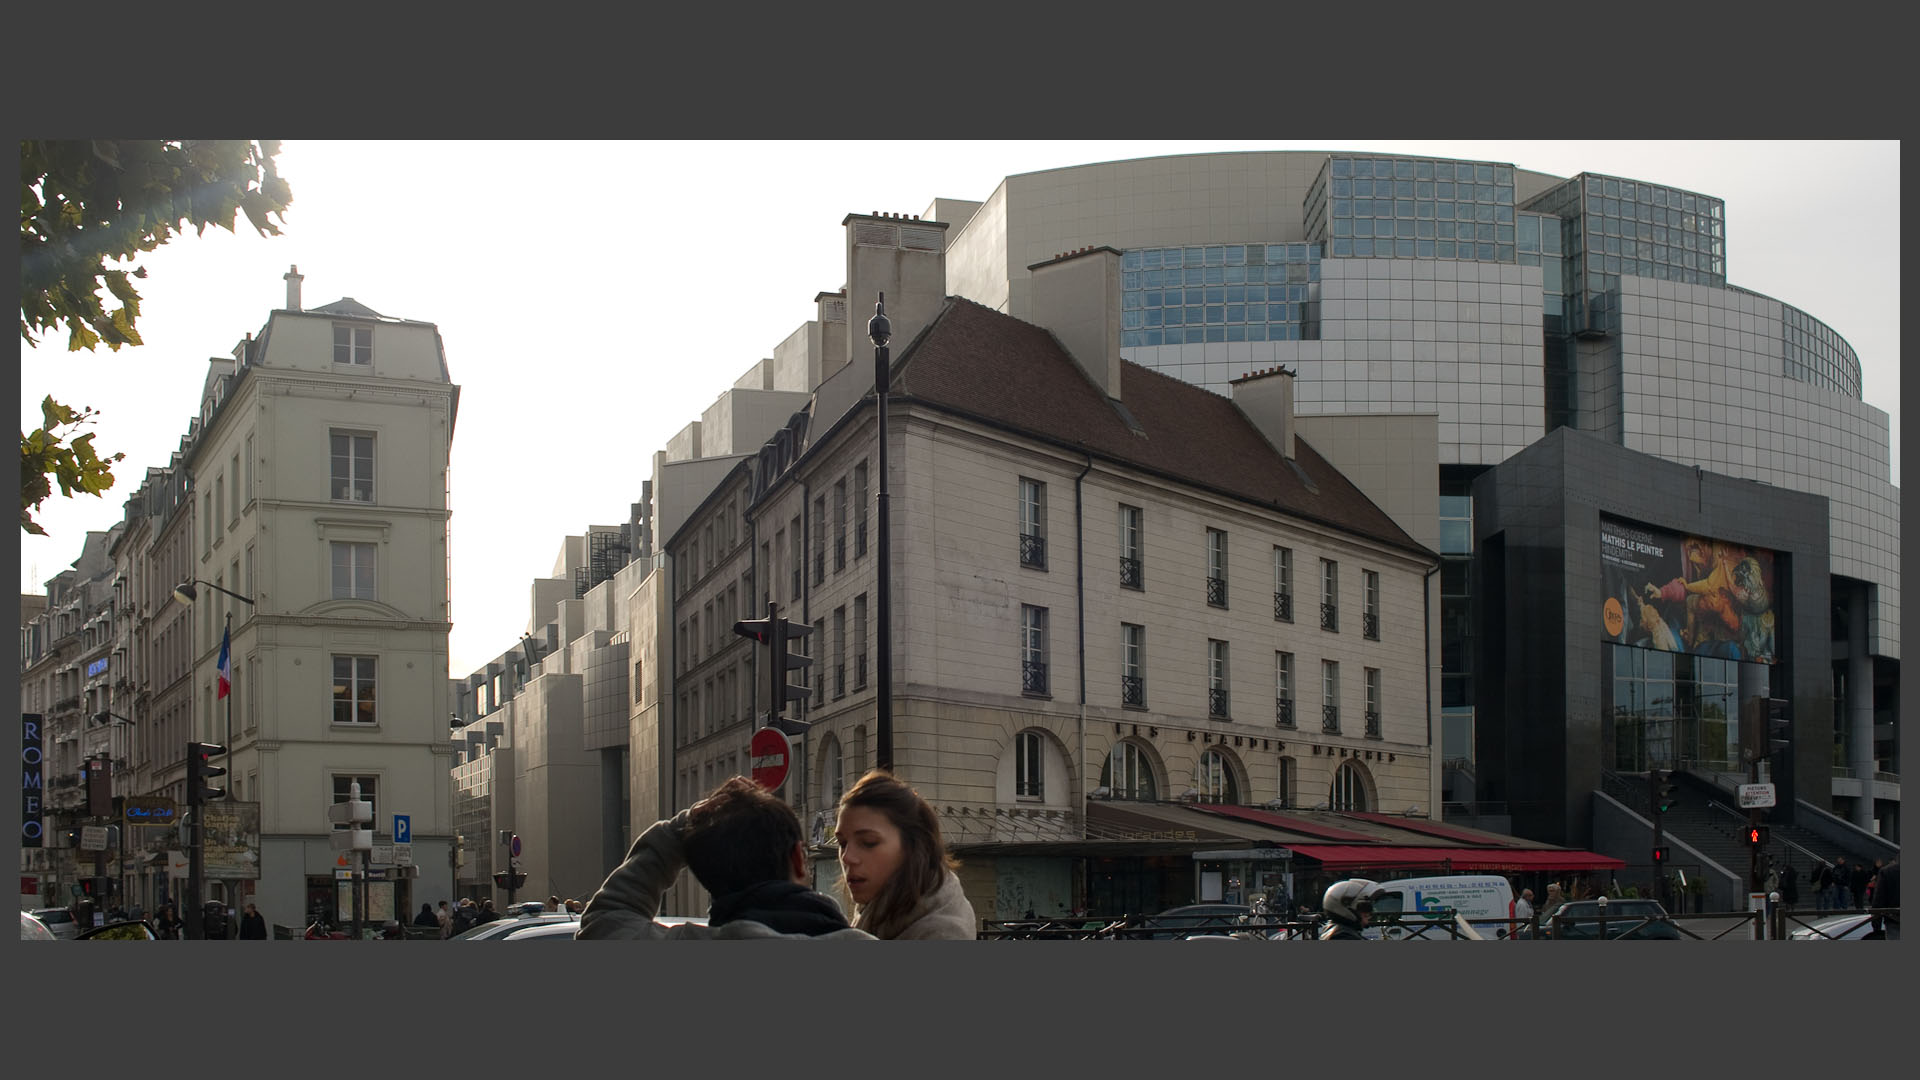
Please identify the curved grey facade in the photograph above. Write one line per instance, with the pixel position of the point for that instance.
(1594, 302)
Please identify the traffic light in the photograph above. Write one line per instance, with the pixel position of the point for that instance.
(1779, 725)
(506, 880)
(1664, 791)
(200, 769)
(780, 635)
(1756, 836)
(1660, 858)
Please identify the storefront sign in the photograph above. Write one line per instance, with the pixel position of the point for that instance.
(31, 829)
(98, 667)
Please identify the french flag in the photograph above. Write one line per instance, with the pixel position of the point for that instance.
(226, 663)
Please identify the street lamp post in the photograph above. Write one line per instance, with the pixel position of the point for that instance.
(185, 593)
(120, 854)
(881, 332)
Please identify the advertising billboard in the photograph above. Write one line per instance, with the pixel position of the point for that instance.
(1689, 594)
(231, 832)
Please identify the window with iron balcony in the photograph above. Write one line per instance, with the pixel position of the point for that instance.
(1370, 617)
(1330, 718)
(1033, 524)
(1133, 691)
(1033, 676)
(1130, 576)
(1216, 568)
(1283, 712)
(1373, 725)
(1217, 702)
(1283, 607)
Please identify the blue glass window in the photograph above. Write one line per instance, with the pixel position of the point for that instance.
(1153, 317)
(1236, 313)
(1403, 208)
(1403, 228)
(1172, 316)
(1342, 166)
(1403, 248)
(1216, 275)
(1236, 255)
(1363, 188)
(1130, 261)
(1131, 320)
(1423, 170)
(1403, 169)
(1425, 230)
(1216, 333)
(1236, 274)
(1153, 299)
(1529, 233)
(1256, 332)
(1131, 300)
(1341, 227)
(1215, 295)
(1342, 188)
(1362, 249)
(1485, 252)
(1550, 236)
(1150, 259)
(1194, 316)
(1443, 190)
(1445, 249)
(1443, 211)
(1130, 279)
(1443, 170)
(1403, 189)
(1236, 333)
(1483, 173)
(1256, 292)
(1342, 207)
(1503, 233)
(1216, 256)
(1256, 313)
(1382, 169)
(1342, 247)
(1505, 252)
(1446, 230)
(1424, 248)
(1132, 338)
(1503, 213)
(1363, 227)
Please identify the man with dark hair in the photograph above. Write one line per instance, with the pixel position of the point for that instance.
(747, 850)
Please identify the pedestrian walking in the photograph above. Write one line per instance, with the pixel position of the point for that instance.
(487, 913)
(167, 924)
(1556, 897)
(895, 867)
(746, 848)
(1821, 878)
(1522, 914)
(445, 918)
(1842, 883)
(1886, 893)
(465, 917)
(427, 917)
(253, 925)
(1857, 877)
(1789, 888)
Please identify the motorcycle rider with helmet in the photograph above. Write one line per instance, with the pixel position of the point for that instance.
(1348, 906)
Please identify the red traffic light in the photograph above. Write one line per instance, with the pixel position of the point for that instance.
(1757, 835)
(1660, 856)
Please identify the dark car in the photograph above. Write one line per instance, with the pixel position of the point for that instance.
(551, 926)
(1577, 920)
(128, 930)
(1195, 919)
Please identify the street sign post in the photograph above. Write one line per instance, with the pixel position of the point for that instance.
(1756, 796)
(770, 753)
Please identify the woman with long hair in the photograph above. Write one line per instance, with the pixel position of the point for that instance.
(894, 866)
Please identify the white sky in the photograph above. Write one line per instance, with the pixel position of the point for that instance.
(594, 298)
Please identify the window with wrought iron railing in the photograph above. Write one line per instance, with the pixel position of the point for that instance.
(1217, 592)
(840, 680)
(1133, 691)
(1329, 616)
(1283, 607)
(1130, 574)
(1373, 725)
(1370, 625)
(1283, 711)
(1217, 702)
(1033, 677)
(1033, 551)
(1330, 718)
(860, 671)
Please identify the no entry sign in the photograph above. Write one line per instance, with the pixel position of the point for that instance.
(771, 752)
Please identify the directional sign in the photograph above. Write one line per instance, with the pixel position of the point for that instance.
(1756, 796)
(402, 829)
(770, 752)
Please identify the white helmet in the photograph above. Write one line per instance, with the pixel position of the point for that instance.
(1345, 900)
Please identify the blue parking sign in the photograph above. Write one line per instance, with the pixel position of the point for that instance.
(402, 829)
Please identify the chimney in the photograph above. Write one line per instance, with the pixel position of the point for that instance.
(293, 278)
(1266, 398)
(1077, 296)
(897, 255)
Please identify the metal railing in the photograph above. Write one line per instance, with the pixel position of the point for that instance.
(1130, 573)
(1330, 718)
(860, 671)
(1133, 690)
(1373, 725)
(1033, 677)
(840, 680)
(1283, 711)
(1370, 625)
(1216, 702)
(860, 539)
(840, 553)
(1283, 606)
(1217, 591)
(1033, 551)
(1329, 616)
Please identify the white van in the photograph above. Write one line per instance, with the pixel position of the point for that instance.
(1479, 900)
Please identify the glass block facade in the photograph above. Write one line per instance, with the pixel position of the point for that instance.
(1817, 355)
(1220, 292)
(1616, 226)
(1408, 208)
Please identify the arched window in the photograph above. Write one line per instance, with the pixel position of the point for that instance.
(1214, 779)
(833, 774)
(1349, 788)
(1128, 774)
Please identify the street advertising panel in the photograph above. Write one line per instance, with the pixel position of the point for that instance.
(1690, 594)
(31, 830)
(232, 839)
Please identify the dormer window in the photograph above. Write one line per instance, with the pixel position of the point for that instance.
(352, 344)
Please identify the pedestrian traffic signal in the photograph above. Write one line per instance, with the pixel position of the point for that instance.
(1756, 836)
(506, 880)
(200, 769)
(1664, 792)
(1660, 856)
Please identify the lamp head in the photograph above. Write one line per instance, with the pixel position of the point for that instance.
(185, 593)
(878, 328)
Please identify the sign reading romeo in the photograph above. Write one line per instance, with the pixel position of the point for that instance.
(30, 829)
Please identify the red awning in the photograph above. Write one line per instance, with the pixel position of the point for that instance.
(1281, 821)
(1432, 828)
(1461, 860)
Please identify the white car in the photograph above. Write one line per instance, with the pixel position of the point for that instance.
(32, 929)
(1835, 928)
(59, 921)
(552, 926)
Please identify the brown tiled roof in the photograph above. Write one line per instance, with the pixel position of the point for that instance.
(980, 362)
